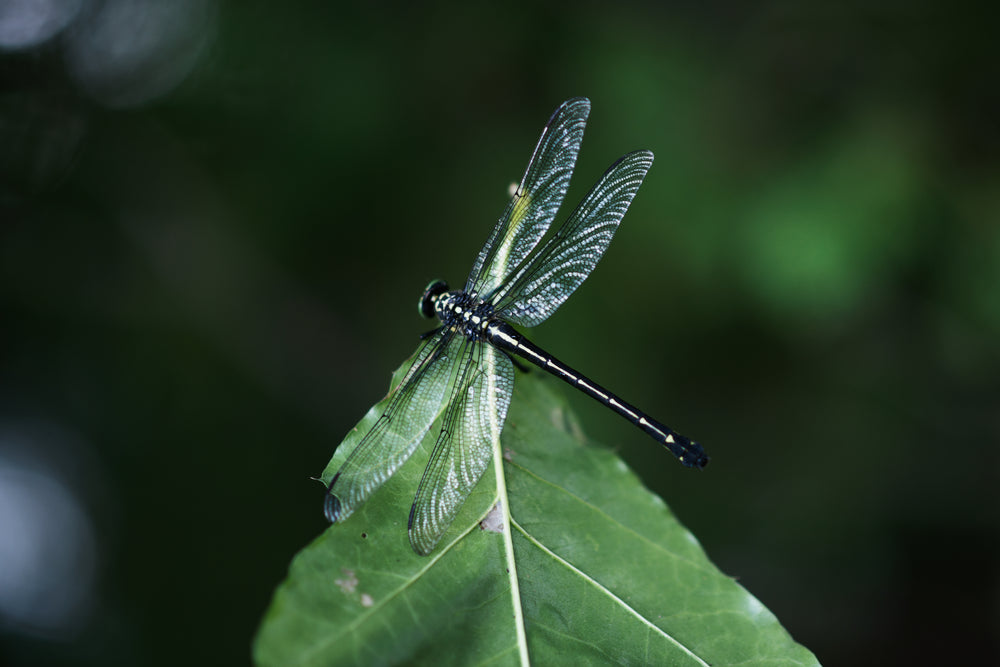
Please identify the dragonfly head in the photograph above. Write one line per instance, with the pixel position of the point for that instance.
(433, 291)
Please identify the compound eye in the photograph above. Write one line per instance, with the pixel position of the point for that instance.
(433, 291)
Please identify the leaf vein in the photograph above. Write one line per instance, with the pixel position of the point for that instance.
(606, 591)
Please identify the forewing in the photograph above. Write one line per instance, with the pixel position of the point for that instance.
(463, 450)
(566, 260)
(537, 200)
(411, 411)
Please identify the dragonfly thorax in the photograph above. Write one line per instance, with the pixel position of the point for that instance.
(465, 312)
(456, 308)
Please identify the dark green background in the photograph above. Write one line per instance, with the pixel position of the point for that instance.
(202, 293)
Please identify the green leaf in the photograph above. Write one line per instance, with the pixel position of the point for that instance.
(587, 567)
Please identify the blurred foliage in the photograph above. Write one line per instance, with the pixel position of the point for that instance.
(202, 289)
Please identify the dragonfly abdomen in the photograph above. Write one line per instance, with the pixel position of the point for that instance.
(505, 337)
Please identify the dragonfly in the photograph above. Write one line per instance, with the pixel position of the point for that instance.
(467, 362)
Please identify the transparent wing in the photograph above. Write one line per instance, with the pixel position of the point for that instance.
(566, 260)
(414, 406)
(537, 200)
(463, 450)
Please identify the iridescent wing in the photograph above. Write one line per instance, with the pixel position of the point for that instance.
(565, 261)
(463, 449)
(537, 200)
(412, 409)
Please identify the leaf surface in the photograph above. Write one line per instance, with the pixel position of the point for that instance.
(587, 564)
